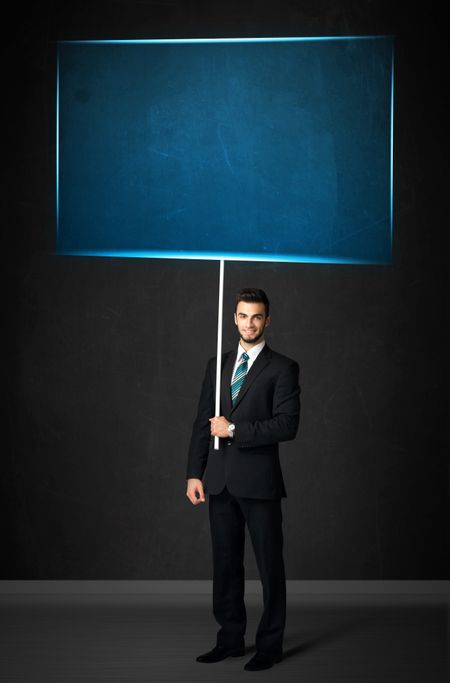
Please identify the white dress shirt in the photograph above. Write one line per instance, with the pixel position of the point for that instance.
(253, 355)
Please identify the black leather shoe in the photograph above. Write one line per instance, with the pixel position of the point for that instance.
(221, 652)
(262, 661)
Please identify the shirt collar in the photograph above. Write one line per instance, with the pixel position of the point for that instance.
(253, 352)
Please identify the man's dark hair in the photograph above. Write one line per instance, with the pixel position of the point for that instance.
(253, 296)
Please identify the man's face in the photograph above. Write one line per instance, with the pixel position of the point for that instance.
(251, 321)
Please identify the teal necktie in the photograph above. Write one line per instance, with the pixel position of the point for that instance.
(239, 376)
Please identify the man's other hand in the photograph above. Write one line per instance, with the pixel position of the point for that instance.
(195, 486)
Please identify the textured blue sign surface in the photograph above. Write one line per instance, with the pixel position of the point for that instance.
(237, 149)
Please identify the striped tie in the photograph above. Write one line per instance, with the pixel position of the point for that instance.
(239, 376)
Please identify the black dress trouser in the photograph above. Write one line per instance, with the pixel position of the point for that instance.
(228, 515)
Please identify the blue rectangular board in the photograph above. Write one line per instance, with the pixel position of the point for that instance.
(239, 149)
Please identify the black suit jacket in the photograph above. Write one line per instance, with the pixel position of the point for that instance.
(267, 411)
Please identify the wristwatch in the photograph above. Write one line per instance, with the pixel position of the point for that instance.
(231, 428)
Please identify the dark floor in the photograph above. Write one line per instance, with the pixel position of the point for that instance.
(130, 638)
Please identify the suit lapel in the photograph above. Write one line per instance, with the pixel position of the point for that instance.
(258, 366)
(225, 393)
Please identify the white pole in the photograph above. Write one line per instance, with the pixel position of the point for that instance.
(219, 347)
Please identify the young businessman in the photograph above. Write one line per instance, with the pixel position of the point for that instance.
(260, 407)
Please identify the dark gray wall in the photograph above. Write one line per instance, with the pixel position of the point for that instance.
(104, 357)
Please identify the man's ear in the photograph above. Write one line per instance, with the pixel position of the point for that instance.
(268, 321)
(235, 319)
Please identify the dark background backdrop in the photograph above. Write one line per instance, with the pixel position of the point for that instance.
(104, 357)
